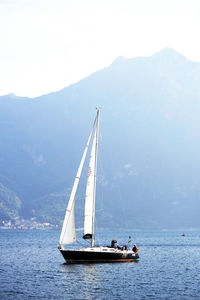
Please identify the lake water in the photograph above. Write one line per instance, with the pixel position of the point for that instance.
(31, 267)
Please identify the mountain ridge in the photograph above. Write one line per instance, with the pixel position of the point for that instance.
(149, 124)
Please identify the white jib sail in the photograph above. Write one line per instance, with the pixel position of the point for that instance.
(68, 233)
(91, 189)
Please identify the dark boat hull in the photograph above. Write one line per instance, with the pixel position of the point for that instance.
(96, 256)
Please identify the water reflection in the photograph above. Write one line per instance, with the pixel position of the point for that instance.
(86, 274)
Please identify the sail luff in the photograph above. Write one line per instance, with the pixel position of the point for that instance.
(91, 189)
(68, 233)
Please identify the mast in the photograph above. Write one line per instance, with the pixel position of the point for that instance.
(90, 194)
(95, 176)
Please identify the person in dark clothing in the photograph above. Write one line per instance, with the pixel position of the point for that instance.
(113, 242)
(125, 247)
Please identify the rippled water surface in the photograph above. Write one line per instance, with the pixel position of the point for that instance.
(31, 267)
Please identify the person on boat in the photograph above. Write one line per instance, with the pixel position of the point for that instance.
(113, 243)
(118, 247)
(135, 249)
(125, 247)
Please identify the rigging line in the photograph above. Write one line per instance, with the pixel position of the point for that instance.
(128, 228)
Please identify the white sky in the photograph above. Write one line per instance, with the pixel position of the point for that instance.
(46, 45)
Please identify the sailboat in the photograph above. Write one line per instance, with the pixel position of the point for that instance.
(92, 254)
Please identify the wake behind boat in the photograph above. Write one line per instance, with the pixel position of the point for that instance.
(93, 254)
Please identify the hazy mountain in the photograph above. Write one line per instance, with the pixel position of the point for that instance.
(149, 148)
(9, 204)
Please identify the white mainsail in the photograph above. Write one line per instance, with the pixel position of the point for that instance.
(91, 189)
(68, 233)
